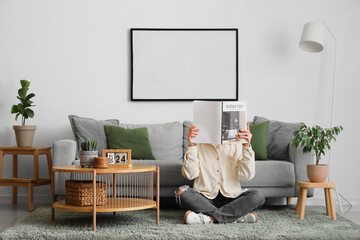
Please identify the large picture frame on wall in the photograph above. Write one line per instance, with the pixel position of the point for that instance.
(184, 64)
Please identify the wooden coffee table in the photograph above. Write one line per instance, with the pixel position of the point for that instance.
(30, 183)
(128, 189)
(329, 199)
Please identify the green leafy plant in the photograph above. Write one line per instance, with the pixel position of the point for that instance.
(315, 139)
(23, 108)
(89, 145)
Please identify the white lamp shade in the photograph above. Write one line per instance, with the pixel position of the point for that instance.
(312, 38)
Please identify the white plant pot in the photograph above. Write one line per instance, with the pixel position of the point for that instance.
(87, 158)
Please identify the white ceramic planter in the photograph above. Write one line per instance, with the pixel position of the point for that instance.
(87, 158)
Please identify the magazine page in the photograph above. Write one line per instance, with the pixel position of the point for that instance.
(207, 118)
(234, 115)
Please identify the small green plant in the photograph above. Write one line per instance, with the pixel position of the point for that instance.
(315, 139)
(89, 145)
(23, 108)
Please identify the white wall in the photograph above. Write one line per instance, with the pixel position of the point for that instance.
(76, 52)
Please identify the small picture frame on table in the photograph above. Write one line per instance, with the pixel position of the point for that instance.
(118, 157)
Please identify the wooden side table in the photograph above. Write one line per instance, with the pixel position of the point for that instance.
(30, 183)
(128, 189)
(329, 198)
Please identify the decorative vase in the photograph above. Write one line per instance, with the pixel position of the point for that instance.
(24, 135)
(87, 158)
(101, 162)
(317, 173)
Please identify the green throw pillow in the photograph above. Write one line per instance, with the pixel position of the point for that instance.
(134, 139)
(258, 140)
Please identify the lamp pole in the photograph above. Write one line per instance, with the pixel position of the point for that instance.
(312, 40)
(332, 114)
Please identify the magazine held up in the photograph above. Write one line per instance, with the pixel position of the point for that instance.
(219, 121)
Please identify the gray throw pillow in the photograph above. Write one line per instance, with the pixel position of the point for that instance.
(88, 128)
(166, 139)
(280, 135)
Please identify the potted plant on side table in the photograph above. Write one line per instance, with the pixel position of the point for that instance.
(316, 139)
(88, 153)
(24, 133)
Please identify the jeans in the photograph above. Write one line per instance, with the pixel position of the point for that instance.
(223, 209)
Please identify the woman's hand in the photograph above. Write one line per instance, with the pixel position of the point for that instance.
(193, 132)
(245, 134)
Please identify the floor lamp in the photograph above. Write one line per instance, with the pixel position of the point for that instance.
(312, 40)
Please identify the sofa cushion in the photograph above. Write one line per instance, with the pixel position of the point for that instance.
(272, 173)
(88, 128)
(166, 139)
(187, 125)
(135, 139)
(280, 134)
(258, 140)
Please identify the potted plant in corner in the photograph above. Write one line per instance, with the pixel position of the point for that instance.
(24, 133)
(88, 152)
(316, 139)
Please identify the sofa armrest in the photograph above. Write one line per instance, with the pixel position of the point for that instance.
(300, 160)
(64, 153)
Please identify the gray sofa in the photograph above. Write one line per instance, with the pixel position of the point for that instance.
(275, 178)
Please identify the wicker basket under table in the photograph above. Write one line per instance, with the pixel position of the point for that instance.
(80, 193)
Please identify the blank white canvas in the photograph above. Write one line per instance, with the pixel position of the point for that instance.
(184, 64)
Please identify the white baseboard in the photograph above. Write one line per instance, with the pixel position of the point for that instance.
(321, 201)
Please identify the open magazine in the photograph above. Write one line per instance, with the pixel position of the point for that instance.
(218, 121)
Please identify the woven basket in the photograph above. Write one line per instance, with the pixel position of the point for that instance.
(80, 193)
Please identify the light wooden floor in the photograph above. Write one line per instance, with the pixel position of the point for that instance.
(11, 214)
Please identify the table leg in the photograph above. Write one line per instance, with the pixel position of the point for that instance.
(327, 201)
(36, 165)
(332, 205)
(288, 200)
(31, 197)
(49, 162)
(114, 189)
(157, 195)
(52, 196)
(15, 174)
(1, 162)
(298, 204)
(94, 200)
(303, 203)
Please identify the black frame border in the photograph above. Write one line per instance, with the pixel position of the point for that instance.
(183, 29)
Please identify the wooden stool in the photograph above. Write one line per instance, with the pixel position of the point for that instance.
(30, 183)
(329, 199)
